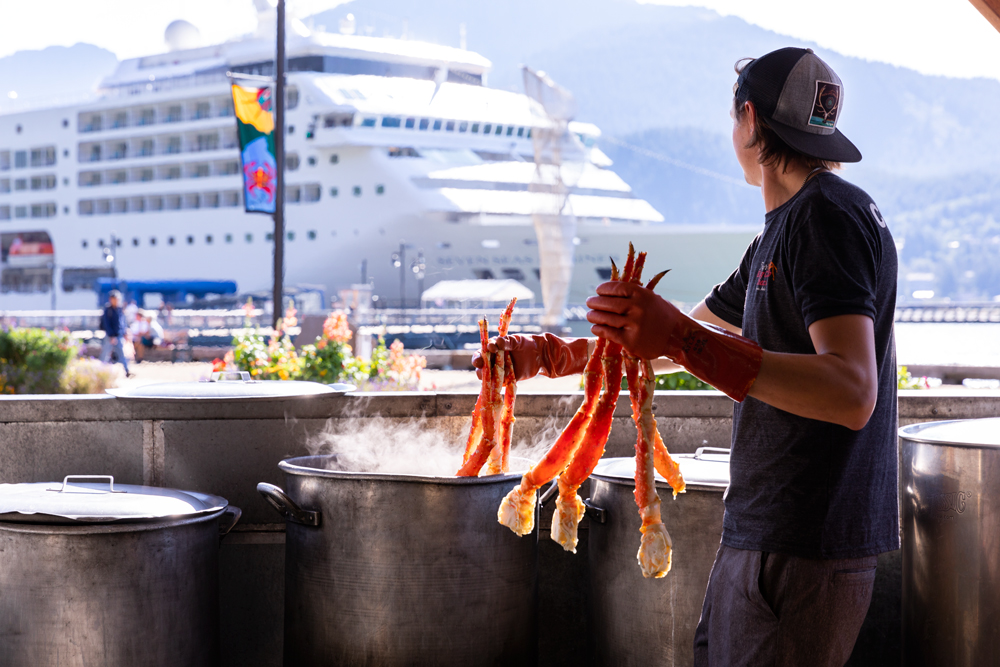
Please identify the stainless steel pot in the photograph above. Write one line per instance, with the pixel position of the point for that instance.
(645, 622)
(950, 522)
(384, 569)
(110, 575)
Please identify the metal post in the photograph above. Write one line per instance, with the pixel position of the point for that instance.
(402, 275)
(279, 149)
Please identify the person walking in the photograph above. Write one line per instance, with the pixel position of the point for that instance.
(115, 331)
(801, 337)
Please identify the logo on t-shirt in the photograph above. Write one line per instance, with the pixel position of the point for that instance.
(765, 275)
(878, 215)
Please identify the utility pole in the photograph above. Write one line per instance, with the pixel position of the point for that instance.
(279, 157)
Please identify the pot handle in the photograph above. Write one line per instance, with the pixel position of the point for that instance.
(286, 507)
(228, 520)
(549, 492)
(595, 513)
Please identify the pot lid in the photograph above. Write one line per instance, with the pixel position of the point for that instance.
(229, 386)
(100, 500)
(959, 432)
(707, 467)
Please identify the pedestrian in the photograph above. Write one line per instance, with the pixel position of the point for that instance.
(115, 331)
(801, 336)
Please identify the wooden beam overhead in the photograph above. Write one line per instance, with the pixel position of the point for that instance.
(990, 9)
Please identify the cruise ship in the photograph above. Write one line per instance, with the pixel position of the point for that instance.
(403, 168)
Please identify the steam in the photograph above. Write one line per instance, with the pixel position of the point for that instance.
(417, 446)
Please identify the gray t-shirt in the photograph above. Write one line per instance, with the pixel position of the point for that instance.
(801, 486)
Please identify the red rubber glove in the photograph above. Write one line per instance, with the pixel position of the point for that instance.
(649, 326)
(547, 354)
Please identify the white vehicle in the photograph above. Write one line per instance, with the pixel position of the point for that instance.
(403, 168)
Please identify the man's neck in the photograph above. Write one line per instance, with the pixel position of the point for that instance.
(778, 185)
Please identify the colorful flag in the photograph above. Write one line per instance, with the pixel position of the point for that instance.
(255, 127)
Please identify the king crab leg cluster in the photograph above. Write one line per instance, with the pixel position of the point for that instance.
(580, 446)
(493, 417)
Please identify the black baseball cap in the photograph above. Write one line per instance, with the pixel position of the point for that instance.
(801, 98)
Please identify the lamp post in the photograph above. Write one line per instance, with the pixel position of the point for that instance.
(419, 270)
(279, 158)
(399, 261)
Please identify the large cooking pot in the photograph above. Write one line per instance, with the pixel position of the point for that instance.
(950, 515)
(109, 574)
(646, 622)
(389, 569)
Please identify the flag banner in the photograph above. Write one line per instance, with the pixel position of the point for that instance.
(255, 127)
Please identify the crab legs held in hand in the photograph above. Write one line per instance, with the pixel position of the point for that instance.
(487, 442)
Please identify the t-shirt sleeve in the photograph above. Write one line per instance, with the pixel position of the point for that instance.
(833, 262)
(727, 299)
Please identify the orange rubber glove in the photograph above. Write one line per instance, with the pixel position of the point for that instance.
(649, 326)
(547, 354)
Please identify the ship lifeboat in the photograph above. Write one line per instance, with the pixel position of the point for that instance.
(29, 253)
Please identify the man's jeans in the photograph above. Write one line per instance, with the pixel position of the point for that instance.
(106, 347)
(783, 611)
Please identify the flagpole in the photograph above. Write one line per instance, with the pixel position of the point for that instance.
(279, 150)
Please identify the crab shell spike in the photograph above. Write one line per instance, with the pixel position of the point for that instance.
(656, 279)
(614, 269)
(640, 262)
(629, 264)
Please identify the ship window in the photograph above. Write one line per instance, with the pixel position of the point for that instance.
(475, 128)
(119, 120)
(538, 274)
(291, 236)
(119, 206)
(95, 153)
(291, 129)
(20, 184)
(65, 210)
(311, 160)
(248, 238)
(20, 211)
(202, 110)
(604, 273)
(20, 159)
(92, 124)
(406, 151)
(135, 242)
(334, 192)
(210, 200)
(43, 157)
(367, 122)
(229, 168)
(312, 192)
(208, 239)
(510, 130)
(207, 142)
(424, 123)
(269, 236)
(170, 240)
(380, 189)
(357, 190)
(146, 117)
(311, 234)
(138, 204)
(338, 120)
(449, 126)
(146, 147)
(46, 182)
(513, 274)
(172, 202)
(410, 123)
(173, 145)
(152, 240)
(520, 131)
(390, 121)
(437, 125)
(229, 238)
(102, 207)
(293, 194)
(4, 185)
(192, 200)
(5, 215)
(172, 173)
(483, 274)
(199, 171)
(146, 175)
(528, 135)
(84, 243)
(231, 198)
(463, 126)
(65, 181)
(156, 203)
(292, 97)
(292, 161)
(498, 130)
(334, 159)
(4, 160)
(174, 114)
(190, 240)
(119, 151)
(84, 279)
(86, 207)
(118, 177)
(487, 128)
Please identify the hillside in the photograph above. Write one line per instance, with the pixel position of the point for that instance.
(52, 73)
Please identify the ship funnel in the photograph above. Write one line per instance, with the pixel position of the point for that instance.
(181, 35)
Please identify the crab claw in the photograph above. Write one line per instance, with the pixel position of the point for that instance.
(517, 511)
(565, 520)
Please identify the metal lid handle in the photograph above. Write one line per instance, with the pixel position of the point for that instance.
(710, 450)
(110, 478)
(230, 376)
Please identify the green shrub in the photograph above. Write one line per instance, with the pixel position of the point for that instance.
(89, 376)
(679, 381)
(32, 361)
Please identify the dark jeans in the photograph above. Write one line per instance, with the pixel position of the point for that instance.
(782, 611)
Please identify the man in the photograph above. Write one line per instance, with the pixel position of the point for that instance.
(801, 336)
(113, 325)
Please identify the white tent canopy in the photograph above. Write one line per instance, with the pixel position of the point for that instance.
(450, 292)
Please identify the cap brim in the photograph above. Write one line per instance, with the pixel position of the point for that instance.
(833, 147)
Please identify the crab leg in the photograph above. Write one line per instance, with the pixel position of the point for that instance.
(517, 510)
(476, 430)
(569, 507)
(504, 373)
(655, 548)
(488, 413)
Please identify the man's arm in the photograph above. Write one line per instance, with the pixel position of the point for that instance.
(838, 384)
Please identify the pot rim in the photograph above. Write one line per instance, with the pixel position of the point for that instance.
(135, 526)
(296, 466)
(912, 433)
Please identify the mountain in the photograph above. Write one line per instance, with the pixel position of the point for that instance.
(53, 72)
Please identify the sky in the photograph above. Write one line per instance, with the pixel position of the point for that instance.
(944, 37)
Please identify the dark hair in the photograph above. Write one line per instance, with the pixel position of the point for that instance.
(774, 152)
